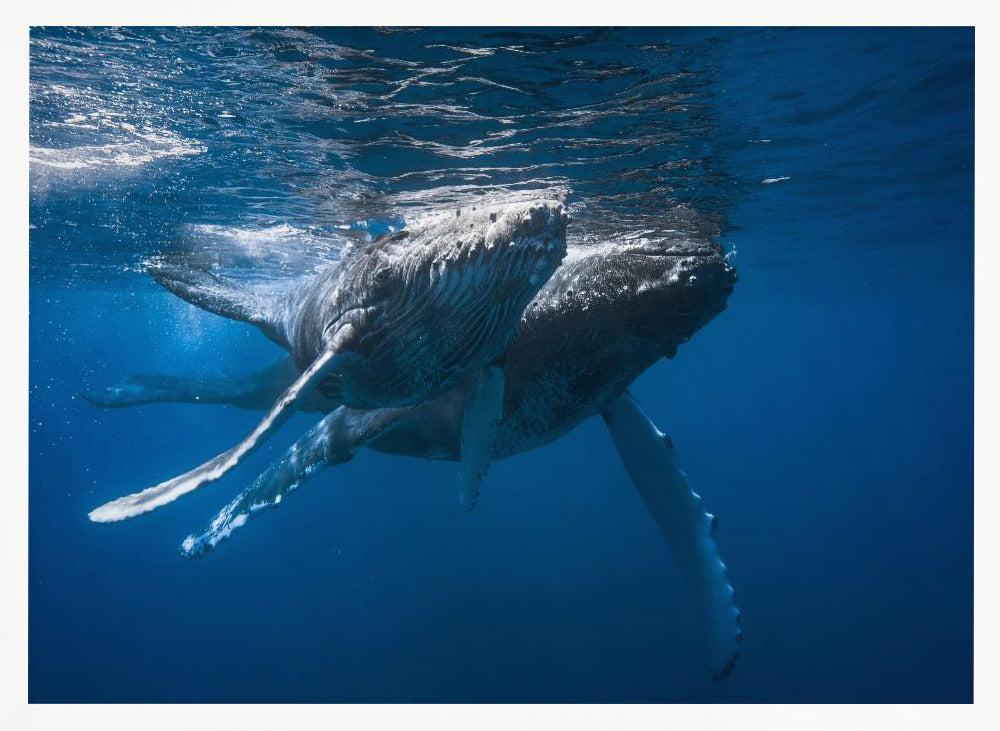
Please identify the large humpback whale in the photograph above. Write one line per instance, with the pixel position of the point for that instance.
(400, 320)
(608, 313)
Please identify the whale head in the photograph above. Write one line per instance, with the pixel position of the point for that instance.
(679, 287)
(447, 296)
(497, 252)
(486, 255)
(658, 291)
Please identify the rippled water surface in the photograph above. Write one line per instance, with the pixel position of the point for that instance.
(826, 416)
(321, 130)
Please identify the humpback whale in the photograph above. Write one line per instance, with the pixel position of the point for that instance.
(400, 320)
(609, 312)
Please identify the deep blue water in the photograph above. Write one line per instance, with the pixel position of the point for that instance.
(826, 416)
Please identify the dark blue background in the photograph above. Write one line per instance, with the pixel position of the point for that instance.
(826, 417)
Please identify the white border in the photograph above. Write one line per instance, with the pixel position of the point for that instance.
(18, 15)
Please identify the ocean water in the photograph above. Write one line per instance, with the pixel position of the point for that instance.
(826, 416)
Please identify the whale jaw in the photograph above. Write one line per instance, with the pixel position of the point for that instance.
(446, 300)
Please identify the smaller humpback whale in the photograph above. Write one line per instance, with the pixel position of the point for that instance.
(609, 312)
(395, 322)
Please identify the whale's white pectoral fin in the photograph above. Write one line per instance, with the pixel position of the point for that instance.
(166, 492)
(651, 463)
(483, 411)
(333, 440)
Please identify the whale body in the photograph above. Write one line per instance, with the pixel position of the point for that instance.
(608, 313)
(389, 325)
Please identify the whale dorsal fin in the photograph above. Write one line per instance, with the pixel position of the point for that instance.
(483, 411)
(651, 462)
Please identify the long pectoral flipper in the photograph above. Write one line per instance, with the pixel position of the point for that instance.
(333, 440)
(483, 411)
(651, 462)
(166, 492)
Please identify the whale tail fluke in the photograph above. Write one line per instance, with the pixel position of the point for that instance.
(142, 388)
(255, 391)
